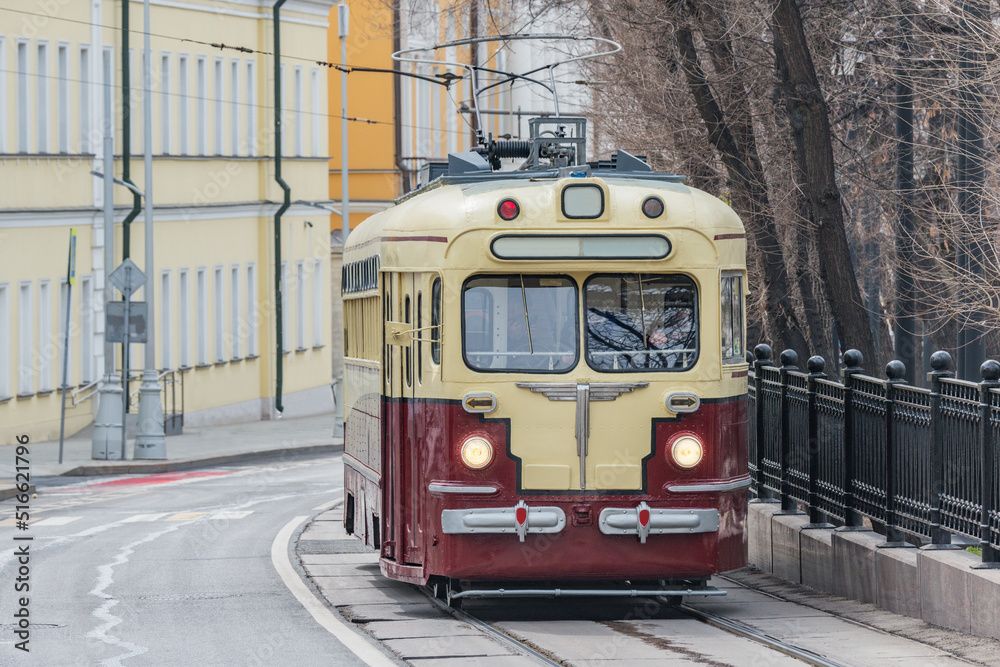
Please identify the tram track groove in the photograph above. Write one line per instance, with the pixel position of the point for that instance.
(503, 638)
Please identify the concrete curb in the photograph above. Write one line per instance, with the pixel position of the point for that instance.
(11, 491)
(132, 467)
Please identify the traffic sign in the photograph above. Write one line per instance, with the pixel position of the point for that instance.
(114, 327)
(127, 278)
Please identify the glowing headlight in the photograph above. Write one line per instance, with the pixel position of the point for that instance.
(687, 451)
(477, 452)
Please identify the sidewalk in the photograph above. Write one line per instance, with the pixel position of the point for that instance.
(212, 445)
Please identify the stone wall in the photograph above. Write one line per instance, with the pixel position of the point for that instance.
(939, 586)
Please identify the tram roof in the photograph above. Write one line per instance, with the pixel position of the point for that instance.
(456, 203)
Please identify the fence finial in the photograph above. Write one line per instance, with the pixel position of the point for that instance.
(762, 352)
(895, 370)
(990, 370)
(789, 358)
(853, 360)
(816, 364)
(941, 361)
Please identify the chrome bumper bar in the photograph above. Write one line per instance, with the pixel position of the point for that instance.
(518, 520)
(644, 521)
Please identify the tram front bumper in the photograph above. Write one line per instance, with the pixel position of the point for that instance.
(518, 520)
(644, 521)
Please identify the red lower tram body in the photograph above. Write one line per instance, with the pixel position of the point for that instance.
(416, 509)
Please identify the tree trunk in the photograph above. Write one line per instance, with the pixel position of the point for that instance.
(812, 135)
(749, 198)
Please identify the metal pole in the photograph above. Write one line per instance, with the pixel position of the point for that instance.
(762, 358)
(286, 202)
(852, 518)
(788, 359)
(150, 442)
(990, 371)
(125, 361)
(343, 27)
(940, 538)
(70, 278)
(895, 373)
(109, 394)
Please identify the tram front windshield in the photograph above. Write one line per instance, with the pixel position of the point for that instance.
(638, 322)
(520, 323)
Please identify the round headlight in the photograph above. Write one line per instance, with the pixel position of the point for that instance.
(477, 452)
(687, 451)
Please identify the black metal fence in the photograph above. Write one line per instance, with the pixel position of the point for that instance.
(920, 464)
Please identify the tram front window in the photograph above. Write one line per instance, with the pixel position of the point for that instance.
(520, 323)
(638, 322)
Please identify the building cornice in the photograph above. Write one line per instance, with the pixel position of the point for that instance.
(258, 9)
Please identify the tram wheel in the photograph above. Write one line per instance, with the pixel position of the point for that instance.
(452, 588)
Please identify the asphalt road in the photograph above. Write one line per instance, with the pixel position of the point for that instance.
(168, 569)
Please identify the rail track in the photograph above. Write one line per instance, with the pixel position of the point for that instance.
(728, 625)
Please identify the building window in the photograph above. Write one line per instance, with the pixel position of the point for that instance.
(135, 105)
(316, 118)
(202, 93)
(4, 340)
(26, 341)
(300, 311)
(86, 330)
(165, 116)
(202, 315)
(286, 343)
(298, 111)
(23, 104)
(5, 98)
(45, 348)
(253, 312)
(184, 317)
(318, 302)
(63, 98)
(42, 91)
(85, 129)
(183, 104)
(217, 106)
(220, 302)
(64, 353)
(234, 107)
(236, 336)
(166, 323)
(251, 97)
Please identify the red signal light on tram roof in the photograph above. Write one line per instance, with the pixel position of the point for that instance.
(508, 209)
(652, 207)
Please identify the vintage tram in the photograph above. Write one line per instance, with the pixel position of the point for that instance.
(545, 381)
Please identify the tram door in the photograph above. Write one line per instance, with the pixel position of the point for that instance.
(402, 460)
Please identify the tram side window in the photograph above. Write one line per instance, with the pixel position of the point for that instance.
(732, 319)
(520, 323)
(640, 322)
(436, 321)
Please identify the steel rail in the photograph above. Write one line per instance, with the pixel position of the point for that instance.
(753, 634)
(506, 640)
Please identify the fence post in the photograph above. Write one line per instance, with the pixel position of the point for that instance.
(762, 354)
(815, 366)
(852, 366)
(895, 370)
(788, 360)
(990, 370)
(940, 363)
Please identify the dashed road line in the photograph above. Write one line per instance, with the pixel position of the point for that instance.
(144, 517)
(186, 516)
(56, 521)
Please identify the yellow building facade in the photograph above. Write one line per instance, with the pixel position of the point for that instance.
(214, 195)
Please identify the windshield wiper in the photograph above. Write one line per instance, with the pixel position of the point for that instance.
(527, 322)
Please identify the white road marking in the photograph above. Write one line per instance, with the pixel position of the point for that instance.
(186, 516)
(333, 624)
(56, 521)
(231, 514)
(326, 506)
(104, 580)
(144, 517)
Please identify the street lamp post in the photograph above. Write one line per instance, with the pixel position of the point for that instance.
(343, 27)
(150, 442)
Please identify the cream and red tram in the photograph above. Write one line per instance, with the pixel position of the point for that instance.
(545, 381)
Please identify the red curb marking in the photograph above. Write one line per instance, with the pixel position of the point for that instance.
(162, 478)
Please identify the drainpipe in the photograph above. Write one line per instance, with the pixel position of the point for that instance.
(126, 172)
(281, 210)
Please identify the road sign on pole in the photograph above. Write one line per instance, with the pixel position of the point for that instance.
(127, 278)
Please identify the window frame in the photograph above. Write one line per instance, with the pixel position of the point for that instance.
(697, 318)
(515, 371)
(740, 357)
(436, 294)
